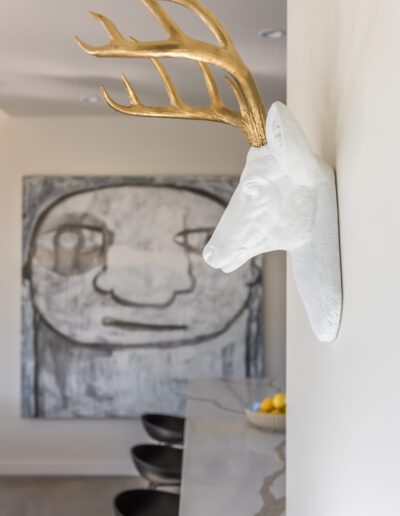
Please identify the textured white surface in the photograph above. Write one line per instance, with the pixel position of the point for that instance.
(286, 200)
(344, 413)
(229, 467)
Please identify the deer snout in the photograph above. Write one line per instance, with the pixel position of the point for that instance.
(215, 256)
(227, 262)
(210, 256)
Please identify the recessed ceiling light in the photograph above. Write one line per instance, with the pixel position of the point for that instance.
(90, 100)
(272, 34)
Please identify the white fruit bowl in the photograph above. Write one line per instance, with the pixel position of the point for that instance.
(273, 422)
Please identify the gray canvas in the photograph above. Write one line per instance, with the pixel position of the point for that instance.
(118, 308)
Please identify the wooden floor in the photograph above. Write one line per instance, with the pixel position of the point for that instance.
(62, 496)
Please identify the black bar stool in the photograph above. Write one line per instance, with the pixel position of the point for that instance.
(160, 465)
(142, 502)
(164, 428)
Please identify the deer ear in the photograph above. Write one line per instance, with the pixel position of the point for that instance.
(289, 144)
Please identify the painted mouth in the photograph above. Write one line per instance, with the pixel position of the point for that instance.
(136, 326)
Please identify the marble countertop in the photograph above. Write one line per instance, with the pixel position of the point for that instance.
(229, 467)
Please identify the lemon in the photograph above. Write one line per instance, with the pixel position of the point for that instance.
(267, 405)
(279, 401)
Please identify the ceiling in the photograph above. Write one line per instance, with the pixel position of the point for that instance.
(44, 72)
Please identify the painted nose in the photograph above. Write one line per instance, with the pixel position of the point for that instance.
(131, 277)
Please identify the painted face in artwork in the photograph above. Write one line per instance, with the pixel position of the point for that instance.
(122, 266)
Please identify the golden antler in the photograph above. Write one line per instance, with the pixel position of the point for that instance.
(251, 117)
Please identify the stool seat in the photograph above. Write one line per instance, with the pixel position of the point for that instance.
(164, 428)
(144, 502)
(157, 463)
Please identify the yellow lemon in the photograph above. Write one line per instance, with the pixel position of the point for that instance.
(279, 401)
(267, 405)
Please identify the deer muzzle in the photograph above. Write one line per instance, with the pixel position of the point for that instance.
(227, 263)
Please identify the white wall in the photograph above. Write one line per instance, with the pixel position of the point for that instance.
(344, 397)
(112, 145)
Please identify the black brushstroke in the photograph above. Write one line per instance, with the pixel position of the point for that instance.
(135, 326)
(170, 344)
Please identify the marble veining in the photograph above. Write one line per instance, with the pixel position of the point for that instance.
(229, 466)
(274, 505)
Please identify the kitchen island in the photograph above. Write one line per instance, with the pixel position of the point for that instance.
(229, 467)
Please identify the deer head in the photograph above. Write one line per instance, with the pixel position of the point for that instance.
(273, 206)
(286, 198)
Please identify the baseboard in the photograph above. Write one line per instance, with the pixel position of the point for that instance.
(65, 468)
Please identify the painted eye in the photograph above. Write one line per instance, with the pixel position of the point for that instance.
(68, 239)
(277, 131)
(72, 249)
(92, 239)
(252, 189)
(193, 240)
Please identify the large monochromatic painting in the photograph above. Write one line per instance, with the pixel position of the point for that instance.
(119, 309)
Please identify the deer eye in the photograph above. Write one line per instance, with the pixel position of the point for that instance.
(252, 189)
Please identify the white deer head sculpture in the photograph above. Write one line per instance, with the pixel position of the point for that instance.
(286, 198)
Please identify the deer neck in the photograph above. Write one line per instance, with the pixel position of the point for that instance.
(316, 264)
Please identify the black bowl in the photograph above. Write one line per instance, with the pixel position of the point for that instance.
(158, 464)
(163, 428)
(141, 502)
